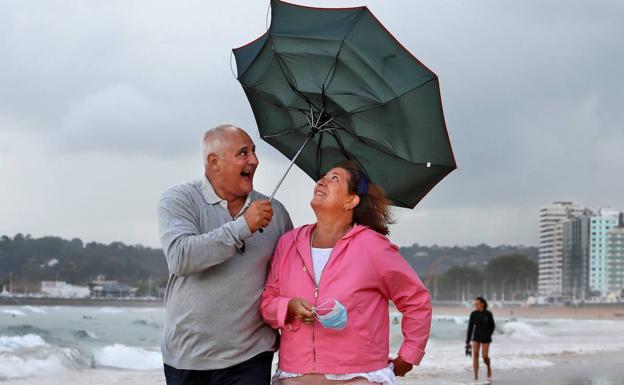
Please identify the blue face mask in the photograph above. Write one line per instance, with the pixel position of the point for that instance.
(334, 318)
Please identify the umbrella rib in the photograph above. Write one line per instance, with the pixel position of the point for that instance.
(335, 61)
(389, 153)
(346, 153)
(349, 114)
(292, 86)
(262, 94)
(319, 156)
(296, 129)
(394, 200)
(284, 132)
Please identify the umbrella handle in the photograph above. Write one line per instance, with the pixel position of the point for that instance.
(292, 162)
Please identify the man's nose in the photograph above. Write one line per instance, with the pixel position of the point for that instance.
(253, 159)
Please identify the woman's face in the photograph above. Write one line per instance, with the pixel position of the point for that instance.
(478, 305)
(332, 191)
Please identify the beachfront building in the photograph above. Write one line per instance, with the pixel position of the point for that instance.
(600, 224)
(615, 261)
(575, 261)
(111, 289)
(550, 273)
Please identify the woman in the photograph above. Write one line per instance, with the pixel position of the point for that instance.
(329, 286)
(480, 328)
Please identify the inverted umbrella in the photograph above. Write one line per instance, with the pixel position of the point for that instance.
(331, 84)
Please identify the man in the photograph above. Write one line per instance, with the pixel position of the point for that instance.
(218, 263)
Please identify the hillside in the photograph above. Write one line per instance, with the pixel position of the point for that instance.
(27, 260)
(435, 260)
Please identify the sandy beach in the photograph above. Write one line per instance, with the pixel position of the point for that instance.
(595, 369)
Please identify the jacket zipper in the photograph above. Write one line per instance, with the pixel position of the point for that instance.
(313, 333)
(316, 287)
(311, 275)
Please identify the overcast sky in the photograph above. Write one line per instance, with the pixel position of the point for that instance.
(103, 104)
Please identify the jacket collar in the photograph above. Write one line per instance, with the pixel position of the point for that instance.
(303, 237)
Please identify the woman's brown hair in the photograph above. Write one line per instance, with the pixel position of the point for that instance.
(374, 208)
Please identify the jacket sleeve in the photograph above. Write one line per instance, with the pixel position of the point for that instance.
(471, 326)
(399, 283)
(273, 306)
(492, 324)
(188, 251)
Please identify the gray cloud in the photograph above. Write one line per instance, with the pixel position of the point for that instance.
(103, 104)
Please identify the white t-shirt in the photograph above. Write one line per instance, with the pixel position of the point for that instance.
(319, 260)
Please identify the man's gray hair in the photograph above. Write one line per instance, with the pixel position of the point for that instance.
(213, 141)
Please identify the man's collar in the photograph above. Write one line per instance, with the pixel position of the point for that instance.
(209, 193)
(212, 198)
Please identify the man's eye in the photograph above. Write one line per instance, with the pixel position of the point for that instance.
(334, 178)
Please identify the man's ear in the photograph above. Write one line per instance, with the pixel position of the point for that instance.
(213, 161)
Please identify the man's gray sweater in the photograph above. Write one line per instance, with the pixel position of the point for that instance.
(217, 270)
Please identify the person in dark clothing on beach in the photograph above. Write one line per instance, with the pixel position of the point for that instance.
(480, 328)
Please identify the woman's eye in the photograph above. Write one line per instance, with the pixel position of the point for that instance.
(335, 178)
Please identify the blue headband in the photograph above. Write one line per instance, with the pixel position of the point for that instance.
(362, 187)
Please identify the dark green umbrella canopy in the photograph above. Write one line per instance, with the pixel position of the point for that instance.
(337, 77)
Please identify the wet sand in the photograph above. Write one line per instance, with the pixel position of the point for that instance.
(594, 369)
(598, 369)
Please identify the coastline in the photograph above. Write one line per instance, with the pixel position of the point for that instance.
(589, 311)
(598, 311)
(47, 301)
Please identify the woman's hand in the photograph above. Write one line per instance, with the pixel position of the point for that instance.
(401, 367)
(301, 309)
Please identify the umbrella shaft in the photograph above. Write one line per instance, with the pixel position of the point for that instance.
(289, 167)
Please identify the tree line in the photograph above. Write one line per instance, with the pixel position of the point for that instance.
(26, 261)
(450, 273)
(506, 277)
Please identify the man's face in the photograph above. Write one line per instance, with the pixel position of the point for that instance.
(238, 164)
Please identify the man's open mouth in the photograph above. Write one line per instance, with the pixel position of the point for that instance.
(247, 174)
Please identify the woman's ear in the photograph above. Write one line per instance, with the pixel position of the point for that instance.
(355, 200)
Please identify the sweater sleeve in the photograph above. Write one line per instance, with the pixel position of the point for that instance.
(188, 251)
(273, 306)
(400, 283)
(492, 324)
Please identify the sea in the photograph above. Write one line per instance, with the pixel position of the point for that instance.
(46, 342)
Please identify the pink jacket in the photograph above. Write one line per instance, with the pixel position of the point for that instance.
(364, 271)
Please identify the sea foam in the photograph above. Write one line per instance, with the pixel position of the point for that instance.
(128, 357)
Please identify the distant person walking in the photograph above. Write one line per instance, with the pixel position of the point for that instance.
(480, 328)
(218, 263)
